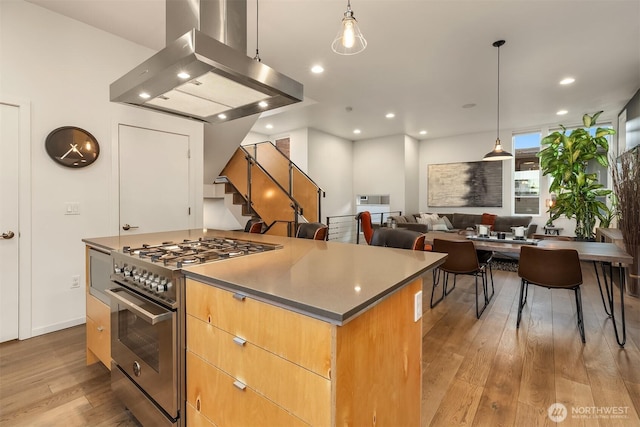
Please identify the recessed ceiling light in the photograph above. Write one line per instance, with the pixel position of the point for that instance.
(390, 115)
(423, 132)
(357, 131)
(184, 76)
(263, 104)
(317, 69)
(567, 81)
(222, 116)
(269, 126)
(562, 112)
(144, 95)
(468, 105)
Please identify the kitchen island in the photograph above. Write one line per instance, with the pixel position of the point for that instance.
(313, 333)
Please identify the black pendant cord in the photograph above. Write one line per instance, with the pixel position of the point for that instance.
(498, 44)
(498, 112)
(257, 57)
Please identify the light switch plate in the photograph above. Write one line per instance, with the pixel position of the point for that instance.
(417, 306)
(72, 208)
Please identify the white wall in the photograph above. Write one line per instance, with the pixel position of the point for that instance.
(379, 168)
(64, 68)
(331, 161)
(412, 175)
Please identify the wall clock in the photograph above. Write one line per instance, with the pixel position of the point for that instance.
(72, 147)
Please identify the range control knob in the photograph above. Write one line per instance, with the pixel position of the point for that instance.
(117, 269)
(127, 271)
(164, 287)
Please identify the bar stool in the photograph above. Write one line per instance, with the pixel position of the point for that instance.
(462, 259)
(312, 230)
(552, 269)
(398, 238)
(254, 225)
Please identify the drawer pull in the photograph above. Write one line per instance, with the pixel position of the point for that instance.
(239, 296)
(239, 341)
(239, 385)
(100, 328)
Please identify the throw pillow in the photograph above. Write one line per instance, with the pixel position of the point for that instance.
(488, 219)
(439, 227)
(422, 220)
(448, 223)
(432, 217)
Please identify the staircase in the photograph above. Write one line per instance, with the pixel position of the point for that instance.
(268, 185)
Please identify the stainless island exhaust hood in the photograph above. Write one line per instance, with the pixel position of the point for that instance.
(205, 73)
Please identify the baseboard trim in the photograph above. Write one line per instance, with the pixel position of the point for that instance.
(58, 326)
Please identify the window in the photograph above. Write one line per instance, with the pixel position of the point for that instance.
(527, 174)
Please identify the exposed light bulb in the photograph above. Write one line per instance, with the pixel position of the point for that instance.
(348, 33)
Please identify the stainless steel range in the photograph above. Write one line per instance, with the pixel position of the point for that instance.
(147, 322)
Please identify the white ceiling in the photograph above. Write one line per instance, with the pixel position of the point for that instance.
(425, 60)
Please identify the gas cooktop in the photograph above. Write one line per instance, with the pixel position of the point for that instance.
(190, 252)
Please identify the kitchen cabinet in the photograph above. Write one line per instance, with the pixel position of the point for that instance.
(251, 362)
(98, 324)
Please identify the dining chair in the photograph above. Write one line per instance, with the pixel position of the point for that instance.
(365, 225)
(254, 225)
(398, 238)
(553, 269)
(312, 230)
(463, 259)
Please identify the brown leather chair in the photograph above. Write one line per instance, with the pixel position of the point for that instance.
(365, 225)
(312, 230)
(398, 238)
(254, 225)
(553, 269)
(462, 259)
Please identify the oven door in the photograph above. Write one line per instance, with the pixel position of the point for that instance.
(144, 345)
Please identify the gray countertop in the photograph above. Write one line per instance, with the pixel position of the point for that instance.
(331, 281)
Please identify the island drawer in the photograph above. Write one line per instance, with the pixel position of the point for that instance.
(300, 391)
(301, 339)
(215, 395)
(99, 330)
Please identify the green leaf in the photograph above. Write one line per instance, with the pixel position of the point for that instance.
(586, 120)
(602, 159)
(594, 118)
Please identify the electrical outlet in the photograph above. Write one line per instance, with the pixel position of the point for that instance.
(417, 306)
(75, 281)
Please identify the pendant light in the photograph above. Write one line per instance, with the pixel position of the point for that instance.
(349, 40)
(498, 153)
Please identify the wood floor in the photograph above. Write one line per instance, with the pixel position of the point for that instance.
(476, 372)
(488, 373)
(44, 381)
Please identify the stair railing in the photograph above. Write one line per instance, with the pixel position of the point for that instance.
(295, 206)
(293, 169)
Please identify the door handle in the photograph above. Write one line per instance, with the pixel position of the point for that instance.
(128, 227)
(8, 235)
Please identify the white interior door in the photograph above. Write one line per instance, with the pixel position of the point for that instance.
(9, 146)
(154, 180)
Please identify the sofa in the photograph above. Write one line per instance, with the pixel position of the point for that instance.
(455, 222)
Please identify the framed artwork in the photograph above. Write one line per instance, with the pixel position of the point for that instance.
(470, 184)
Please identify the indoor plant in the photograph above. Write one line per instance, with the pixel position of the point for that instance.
(564, 157)
(626, 184)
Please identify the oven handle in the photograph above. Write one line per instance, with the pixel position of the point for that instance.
(131, 305)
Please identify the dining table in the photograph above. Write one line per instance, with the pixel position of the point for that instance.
(602, 254)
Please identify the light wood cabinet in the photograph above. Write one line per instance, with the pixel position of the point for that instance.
(252, 363)
(98, 325)
(98, 332)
